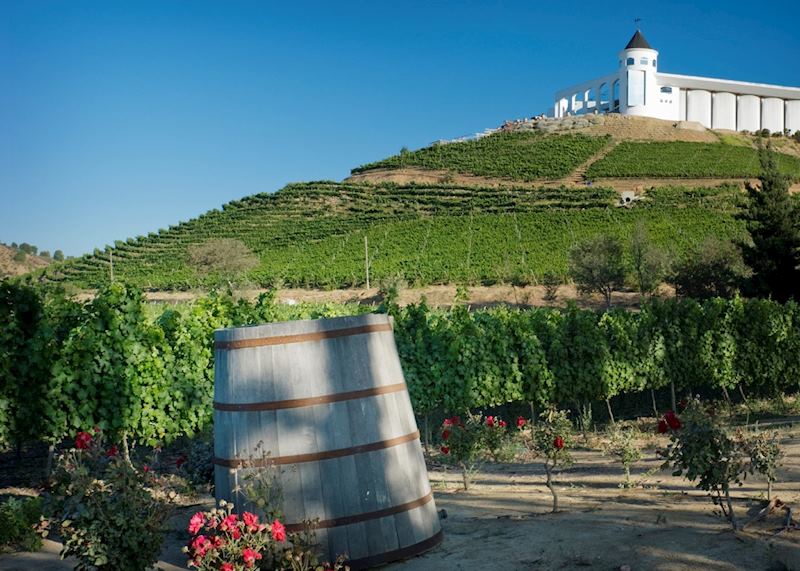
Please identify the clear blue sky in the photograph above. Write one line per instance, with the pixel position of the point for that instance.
(119, 118)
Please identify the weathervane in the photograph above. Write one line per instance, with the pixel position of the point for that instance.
(636, 21)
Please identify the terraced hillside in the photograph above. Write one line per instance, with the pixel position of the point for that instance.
(312, 235)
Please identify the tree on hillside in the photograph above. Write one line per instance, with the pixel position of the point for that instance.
(772, 218)
(597, 266)
(649, 262)
(713, 269)
(20, 256)
(226, 257)
(58, 256)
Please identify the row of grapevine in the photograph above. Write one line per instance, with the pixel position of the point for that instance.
(312, 235)
(677, 159)
(516, 155)
(66, 366)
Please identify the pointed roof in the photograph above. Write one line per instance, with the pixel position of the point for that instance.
(638, 41)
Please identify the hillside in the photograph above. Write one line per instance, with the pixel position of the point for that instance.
(503, 208)
(11, 267)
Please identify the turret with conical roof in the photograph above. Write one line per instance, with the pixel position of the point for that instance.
(638, 41)
(638, 68)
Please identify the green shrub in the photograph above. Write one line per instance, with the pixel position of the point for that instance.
(19, 519)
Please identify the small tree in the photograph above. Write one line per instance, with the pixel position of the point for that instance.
(649, 262)
(702, 450)
(20, 256)
(227, 257)
(714, 269)
(773, 221)
(58, 256)
(551, 439)
(765, 455)
(551, 283)
(622, 445)
(597, 266)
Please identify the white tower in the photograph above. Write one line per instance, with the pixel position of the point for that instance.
(637, 77)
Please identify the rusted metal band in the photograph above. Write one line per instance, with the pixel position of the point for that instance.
(402, 553)
(310, 401)
(357, 518)
(302, 337)
(316, 456)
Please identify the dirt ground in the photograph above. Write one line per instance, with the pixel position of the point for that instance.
(503, 523)
(436, 296)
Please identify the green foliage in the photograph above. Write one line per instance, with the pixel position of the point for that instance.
(111, 517)
(58, 256)
(765, 454)
(648, 262)
(677, 159)
(462, 441)
(715, 269)
(597, 266)
(703, 450)
(773, 222)
(516, 155)
(20, 256)
(622, 445)
(551, 438)
(19, 519)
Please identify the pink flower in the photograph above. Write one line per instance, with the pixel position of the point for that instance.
(278, 531)
(226, 567)
(250, 520)
(447, 422)
(83, 440)
(196, 523)
(250, 556)
(520, 422)
(489, 421)
(502, 424)
(236, 533)
(200, 546)
(229, 523)
(218, 541)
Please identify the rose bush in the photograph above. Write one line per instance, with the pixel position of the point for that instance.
(462, 441)
(109, 514)
(551, 439)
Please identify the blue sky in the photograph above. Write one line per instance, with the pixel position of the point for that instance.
(120, 118)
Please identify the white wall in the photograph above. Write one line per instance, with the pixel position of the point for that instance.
(772, 114)
(698, 107)
(792, 116)
(723, 111)
(748, 114)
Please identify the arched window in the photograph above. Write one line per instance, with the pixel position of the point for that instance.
(666, 90)
(643, 61)
(630, 61)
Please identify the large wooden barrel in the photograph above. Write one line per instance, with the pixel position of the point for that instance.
(323, 404)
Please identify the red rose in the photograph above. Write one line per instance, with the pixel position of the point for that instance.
(112, 452)
(662, 426)
(278, 531)
(97, 430)
(456, 421)
(83, 440)
(445, 449)
(520, 422)
(145, 468)
(502, 424)
(250, 556)
(558, 442)
(673, 421)
(447, 422)
(445, 434)
(489, 421)
(250, 520)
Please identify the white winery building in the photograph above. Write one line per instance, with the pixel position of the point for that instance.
(638, 88)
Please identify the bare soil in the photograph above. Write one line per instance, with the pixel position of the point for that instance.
(9, 267)
(435, 295)
(503, 521)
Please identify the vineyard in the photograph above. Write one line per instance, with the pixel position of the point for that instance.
(67, 366)
(523, 156)
(312, 235)
(685, 160)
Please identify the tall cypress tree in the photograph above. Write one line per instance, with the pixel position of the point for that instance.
(772, 218)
